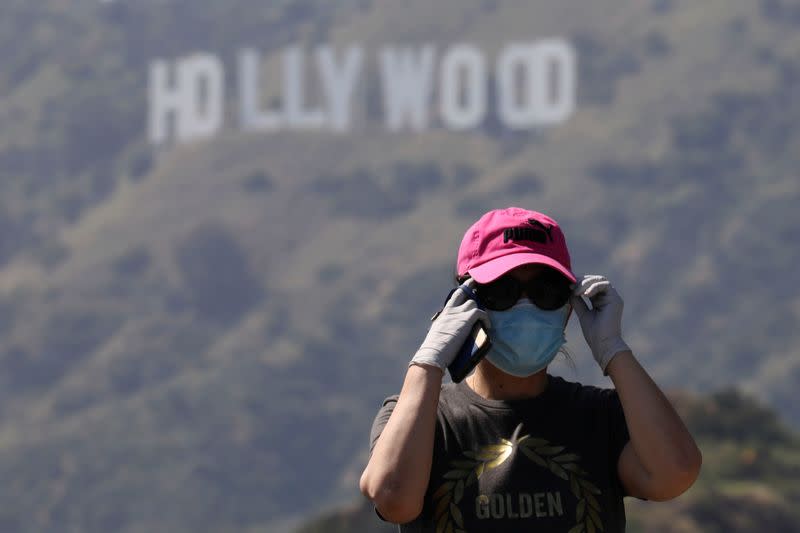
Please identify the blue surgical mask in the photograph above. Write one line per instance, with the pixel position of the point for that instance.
(525, 339)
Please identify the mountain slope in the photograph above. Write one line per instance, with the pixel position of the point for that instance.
(198, 337)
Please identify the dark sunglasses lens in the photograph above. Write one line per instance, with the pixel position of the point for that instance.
(549, 294)
(499, 294)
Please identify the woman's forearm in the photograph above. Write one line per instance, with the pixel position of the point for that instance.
(398, 471)
(659, 437)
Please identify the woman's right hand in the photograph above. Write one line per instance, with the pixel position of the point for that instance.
(450, 329)
(399, 468)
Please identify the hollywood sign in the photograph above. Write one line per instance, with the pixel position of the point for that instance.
(534, 86)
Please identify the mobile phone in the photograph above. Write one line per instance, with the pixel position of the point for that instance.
(474, 348)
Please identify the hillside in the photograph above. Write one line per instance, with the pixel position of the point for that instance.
(197, 337)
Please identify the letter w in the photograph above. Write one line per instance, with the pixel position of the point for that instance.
(407, 79)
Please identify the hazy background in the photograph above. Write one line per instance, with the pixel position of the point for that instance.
(196, 337)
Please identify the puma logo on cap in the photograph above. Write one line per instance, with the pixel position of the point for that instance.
(539, 233)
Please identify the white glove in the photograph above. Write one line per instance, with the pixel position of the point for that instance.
(450, 329)
(602, 324)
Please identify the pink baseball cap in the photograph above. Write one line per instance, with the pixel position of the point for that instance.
(504, 239)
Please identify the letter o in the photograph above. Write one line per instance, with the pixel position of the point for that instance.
(531, 103)
(498, 506)
(458, 113)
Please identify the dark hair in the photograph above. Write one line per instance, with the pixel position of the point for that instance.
(458, 280)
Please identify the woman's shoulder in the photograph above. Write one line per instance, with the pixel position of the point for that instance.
(581, 394)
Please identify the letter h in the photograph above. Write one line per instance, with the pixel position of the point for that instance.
(166, 100)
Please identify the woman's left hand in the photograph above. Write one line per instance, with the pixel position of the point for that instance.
(602, 324)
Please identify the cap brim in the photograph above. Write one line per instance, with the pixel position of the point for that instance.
(495, 268)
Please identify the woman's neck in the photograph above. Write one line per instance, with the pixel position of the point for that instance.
(491, 383)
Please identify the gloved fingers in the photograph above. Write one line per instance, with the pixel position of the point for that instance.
(465, 306)
(585, 282)
(613, 296)
(591, 277)
(592, 285)
(579, 305)
(597, 289)
(459, 295)
(469, 313)
(456, 299)
(483, 317)
(607, 296)
(468, 288)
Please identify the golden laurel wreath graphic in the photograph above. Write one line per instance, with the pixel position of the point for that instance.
(465, 472)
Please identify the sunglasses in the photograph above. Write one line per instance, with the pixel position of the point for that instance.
(547, 291)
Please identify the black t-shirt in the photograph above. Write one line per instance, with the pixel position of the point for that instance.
(541, 464)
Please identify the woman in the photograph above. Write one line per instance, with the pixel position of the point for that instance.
(512, 448)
